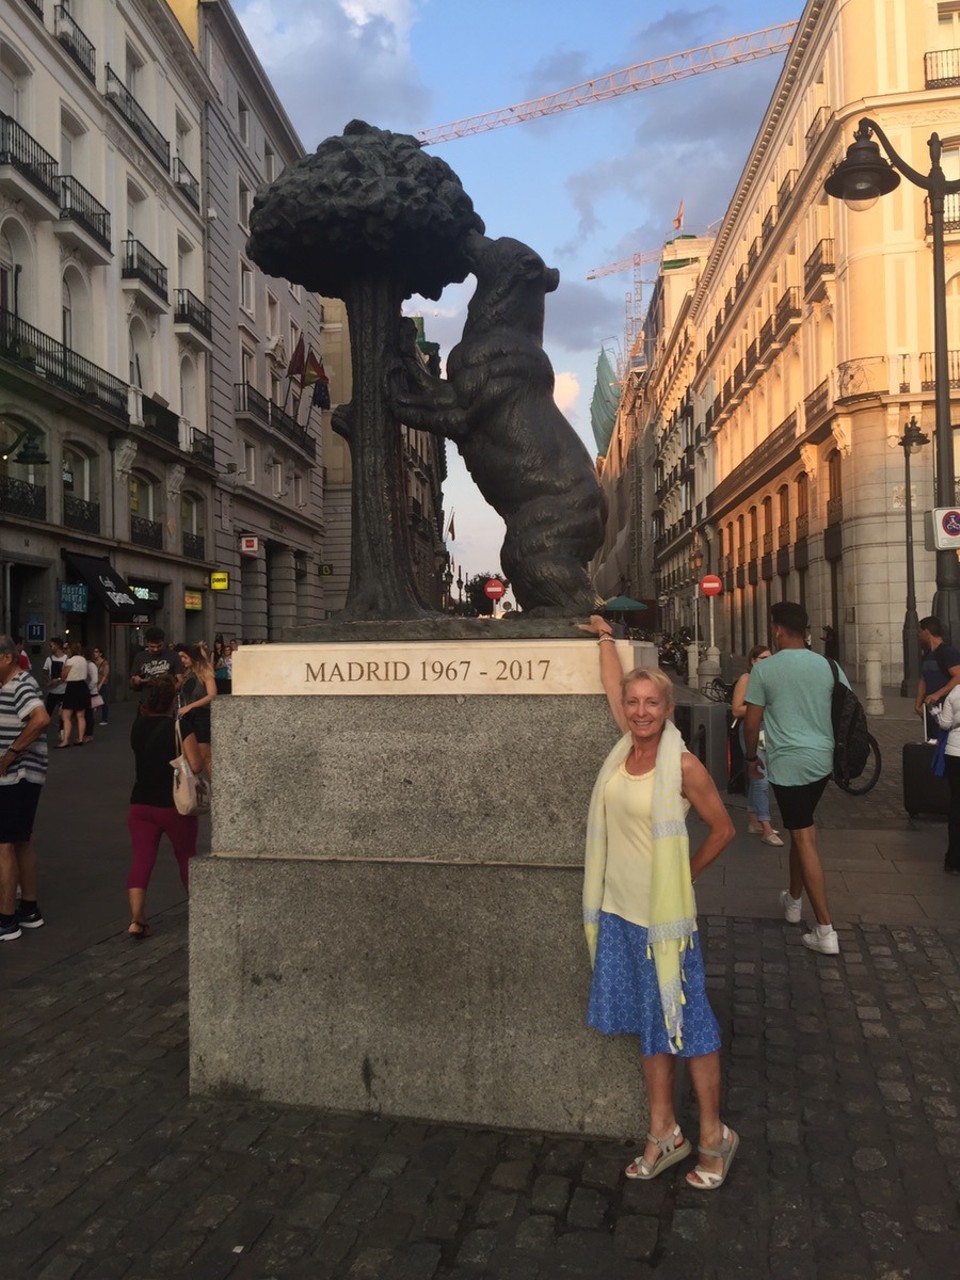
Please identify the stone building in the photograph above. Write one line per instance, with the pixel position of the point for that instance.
(775, 400)
(107, 474)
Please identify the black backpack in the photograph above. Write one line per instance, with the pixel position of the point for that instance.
(850, 733)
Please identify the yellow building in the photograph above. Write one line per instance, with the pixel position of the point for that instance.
(776, 391)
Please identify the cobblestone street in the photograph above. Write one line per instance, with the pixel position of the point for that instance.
(842, 1078)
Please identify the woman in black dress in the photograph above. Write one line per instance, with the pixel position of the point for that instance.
(198, 690)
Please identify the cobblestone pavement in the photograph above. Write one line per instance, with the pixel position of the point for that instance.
(842, 1074)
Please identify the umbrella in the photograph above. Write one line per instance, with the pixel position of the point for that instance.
(621, 604)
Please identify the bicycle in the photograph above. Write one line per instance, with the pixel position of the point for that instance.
(717, 690)
(870, 776)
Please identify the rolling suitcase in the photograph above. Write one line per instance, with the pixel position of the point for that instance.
(923, 791)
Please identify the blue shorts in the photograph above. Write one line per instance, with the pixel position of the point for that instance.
(18, 808)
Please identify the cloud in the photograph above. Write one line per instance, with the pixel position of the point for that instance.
(337, 60)
(565, 392)
(580, 316)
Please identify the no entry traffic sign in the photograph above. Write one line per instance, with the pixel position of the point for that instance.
(711, 585)
(493, 588)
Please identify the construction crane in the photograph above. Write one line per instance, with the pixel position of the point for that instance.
(624, 264)
(765, 43)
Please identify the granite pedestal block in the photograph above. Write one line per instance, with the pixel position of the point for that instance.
(391, 920)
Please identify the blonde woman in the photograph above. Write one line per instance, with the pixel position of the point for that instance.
(198, 690)
(639, 913)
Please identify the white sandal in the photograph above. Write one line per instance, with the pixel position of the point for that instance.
(671, 1152)
(710, 1181)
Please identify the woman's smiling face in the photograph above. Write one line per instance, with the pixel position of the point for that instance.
(646, 709)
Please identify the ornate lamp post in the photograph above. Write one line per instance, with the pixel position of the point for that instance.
(912, 438)
(860, 180)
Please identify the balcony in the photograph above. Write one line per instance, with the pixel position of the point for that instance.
(141, 268)
(79, 514)
(768, 543)
(146, 533)
(186, 182)
(941, 69)
(193, 545)
(768, 455)
(161, 421)
(201, 446)
(192, 320)
(138, 120)
(753, 253)
(39, 354)
(769, 222)
(817, 127)
(951, 215)
(75, 42)
(817, 403)
(250, 403)
(84, 223)
(865, 379)
(785, 191)
(783, 535)
(36, 6)
(928, 381)
(19, 498)
(834, 510)
(787, 315)
(803, 525)
(27, 172)
(818, 271)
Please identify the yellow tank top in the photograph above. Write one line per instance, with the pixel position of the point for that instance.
(628, 802)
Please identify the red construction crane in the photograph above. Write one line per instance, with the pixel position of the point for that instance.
(643, 75)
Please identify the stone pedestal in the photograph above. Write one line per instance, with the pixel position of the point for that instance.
(391, 918)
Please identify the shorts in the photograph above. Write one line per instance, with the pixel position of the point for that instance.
(18, 808)
(797, 804)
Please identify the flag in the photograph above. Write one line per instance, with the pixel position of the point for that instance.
(321, 394)
(312, 370)
(450, 531)
(295, 367)
(678, 220)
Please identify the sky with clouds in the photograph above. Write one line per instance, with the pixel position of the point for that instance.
(585, 187)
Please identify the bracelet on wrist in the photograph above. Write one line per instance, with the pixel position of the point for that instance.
(606, 636)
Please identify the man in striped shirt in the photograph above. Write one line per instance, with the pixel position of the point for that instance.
(23, 771)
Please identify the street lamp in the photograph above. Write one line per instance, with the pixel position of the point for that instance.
(912, 438)
(26, 449)
(860, 180)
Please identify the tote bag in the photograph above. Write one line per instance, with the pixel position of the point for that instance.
(191, 791)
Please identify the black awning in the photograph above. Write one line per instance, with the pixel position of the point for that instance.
(106, 584)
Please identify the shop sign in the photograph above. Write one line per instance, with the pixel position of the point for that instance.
(326, 570)
(249, 545)
(73, 597)
(193, 599)
(219, 580)
(147, 595)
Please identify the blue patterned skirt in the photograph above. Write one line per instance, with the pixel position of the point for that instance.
(625, 996)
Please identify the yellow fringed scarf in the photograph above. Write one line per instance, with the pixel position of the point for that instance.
(673, 911)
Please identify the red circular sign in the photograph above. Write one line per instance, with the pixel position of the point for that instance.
(493, 588)
(711, 585)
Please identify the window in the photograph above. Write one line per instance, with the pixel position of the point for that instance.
(273, 317)
(133, 69)
(243, 120)
(66, 315)
(296, 333)
(246, 287)
(244, 203)
(189, 400)
(14, 76)
(298, 491)
(803, 494)
(783, 493)
(276, 478)
(181, 142)
(144, 496)
(276, 388)
(136, 211)
(768, 515)
(71, 146)
(248, 366)
(77, 474)
(191, 514)
(835, 475)
(184, 263)
(139, 347)
(269, 163)
(250, 463)
(297, 292)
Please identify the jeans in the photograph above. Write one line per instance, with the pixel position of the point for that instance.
(758, 789)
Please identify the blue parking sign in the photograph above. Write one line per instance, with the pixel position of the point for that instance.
(36, 632)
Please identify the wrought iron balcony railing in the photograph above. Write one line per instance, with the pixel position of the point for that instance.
(140, 264)
(188, 309)
(951, 214)
(187, 183)
(941, 69)
(161, 421)
(19, 498)
(75, 42)
(146, 533)
(788, 308)
(36, 6)
(928, 380)
(817, 125)
(78, 205)
(193, 545)
(33, 350)
(201, 446)
(135, 116)
(250, 400)
(23, 153)
(822, 262)
(785, 191)
(79, 514)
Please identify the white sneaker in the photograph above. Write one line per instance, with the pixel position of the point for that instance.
(791, 907)
(828, 944)
(773, 838)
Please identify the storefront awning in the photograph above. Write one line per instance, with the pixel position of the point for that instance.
(106, 584)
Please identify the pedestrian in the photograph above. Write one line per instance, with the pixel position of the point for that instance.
(96, 701)
(152, 813)
(23, 658)
(103, 685)
(640, 914)
(197, 692)
(758, 789)
(791, 695)
(939, 665)
(221, 665)
(54, 682)
(155, 660)
(76, 697)
(23, 771)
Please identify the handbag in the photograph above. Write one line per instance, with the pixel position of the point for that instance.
(96, 700)
(191, 791)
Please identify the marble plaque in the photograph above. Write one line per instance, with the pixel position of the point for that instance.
(448, 667)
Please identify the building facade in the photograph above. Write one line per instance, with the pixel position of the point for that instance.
(107, 473)
(777, 398)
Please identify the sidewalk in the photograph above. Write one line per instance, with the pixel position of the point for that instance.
(842, 1075)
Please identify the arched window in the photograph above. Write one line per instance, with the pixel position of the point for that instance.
(66, 314)
(192, 523)
(834, 487)
(140, 363)
(16, 269)
(754, 535)
(783, 530)
(78, 477)
(803, 505)
(188, 391)
(145, 525)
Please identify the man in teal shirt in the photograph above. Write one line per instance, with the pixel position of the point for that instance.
(790, 694)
